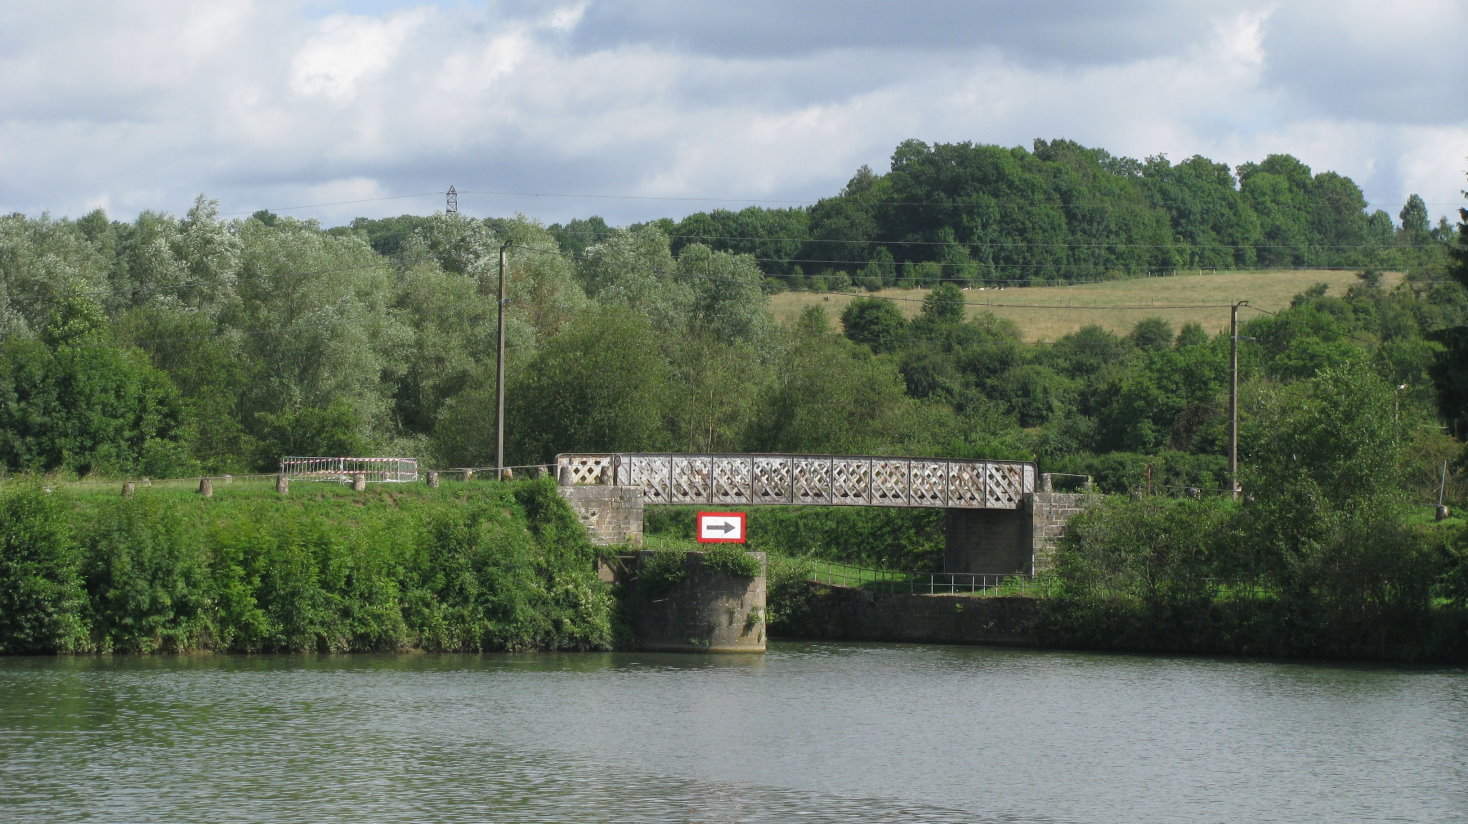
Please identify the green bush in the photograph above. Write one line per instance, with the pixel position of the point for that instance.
(731, 559)
(41, 598)
(490, 568)
(660, 572)
(145, 578)
(788, 593)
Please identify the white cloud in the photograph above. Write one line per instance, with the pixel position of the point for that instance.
(274, 103)
(347, 49)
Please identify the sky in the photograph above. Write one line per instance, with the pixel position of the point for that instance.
(638, 109)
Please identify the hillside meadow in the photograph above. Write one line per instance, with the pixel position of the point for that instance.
(1047, 313)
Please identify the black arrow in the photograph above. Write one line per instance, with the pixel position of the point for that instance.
(722, 526)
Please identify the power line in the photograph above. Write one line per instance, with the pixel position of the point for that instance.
(274, 209)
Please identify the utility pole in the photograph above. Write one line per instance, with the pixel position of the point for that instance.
(1233, 399)
(499, 379)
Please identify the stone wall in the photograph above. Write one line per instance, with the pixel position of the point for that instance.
(847, 614)
(1051, 513)
(612, 515)
(708, 611)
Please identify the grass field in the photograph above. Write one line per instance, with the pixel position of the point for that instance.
(1045, 313)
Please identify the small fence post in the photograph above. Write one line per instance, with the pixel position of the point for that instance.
(359, 481)
(468, 474)
(283, 484)
(206, 487)
(433, 479)
(128, 489)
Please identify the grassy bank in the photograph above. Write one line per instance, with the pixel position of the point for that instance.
(462, 568)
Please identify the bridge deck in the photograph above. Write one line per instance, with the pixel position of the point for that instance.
(806, 479)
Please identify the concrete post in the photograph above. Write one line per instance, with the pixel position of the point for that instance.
(433, 479)
(359, 481)
(283, 484)
(128, 489)
(1443, 513)
(1047, 483)
(468, 474)
(565, 478)
(206, 487)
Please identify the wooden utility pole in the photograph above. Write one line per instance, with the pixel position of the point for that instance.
(499, 379)
(1233, 399)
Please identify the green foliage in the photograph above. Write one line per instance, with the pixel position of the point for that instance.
(597, 386)
(874, 322)
(661, 572)
(788, 592)
(42, 604)
(1160, 550)
(732, 560)
(83, 405)
(943, 305)
(506, 567)
(335, 430)
(145, 578)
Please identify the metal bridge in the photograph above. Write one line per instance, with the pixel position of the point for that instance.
(805, 479)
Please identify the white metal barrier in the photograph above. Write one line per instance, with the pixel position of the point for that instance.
(342, 470)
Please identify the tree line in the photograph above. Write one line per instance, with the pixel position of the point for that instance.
(1056, 213)
(172, 346)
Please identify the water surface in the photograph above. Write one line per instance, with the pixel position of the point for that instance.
(807, 732)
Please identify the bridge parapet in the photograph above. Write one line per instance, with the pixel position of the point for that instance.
(838, 480)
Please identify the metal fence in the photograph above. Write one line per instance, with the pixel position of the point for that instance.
(1034, 586)
(932, 583)
(343, 470)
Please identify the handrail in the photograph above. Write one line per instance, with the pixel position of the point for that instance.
(732, 479)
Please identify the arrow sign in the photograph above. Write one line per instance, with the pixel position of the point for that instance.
(721, 527)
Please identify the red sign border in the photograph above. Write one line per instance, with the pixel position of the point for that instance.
(739, 516)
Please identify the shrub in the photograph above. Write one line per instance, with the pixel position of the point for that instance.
(731, 559)
(41, 597)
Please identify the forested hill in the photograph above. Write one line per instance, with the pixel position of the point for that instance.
(1058, 213)
(177, 345)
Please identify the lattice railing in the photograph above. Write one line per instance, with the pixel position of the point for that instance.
(807, 479)
(341, 470)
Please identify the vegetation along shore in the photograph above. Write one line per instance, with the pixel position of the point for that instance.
(1055, 304)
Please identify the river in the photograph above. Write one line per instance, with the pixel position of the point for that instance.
(810, 732)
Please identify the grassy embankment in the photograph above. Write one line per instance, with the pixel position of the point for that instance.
(1046, 313)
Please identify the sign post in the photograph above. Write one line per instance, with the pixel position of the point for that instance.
(721, 527)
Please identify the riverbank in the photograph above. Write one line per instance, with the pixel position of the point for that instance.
(1253, 627)
(464, 568)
